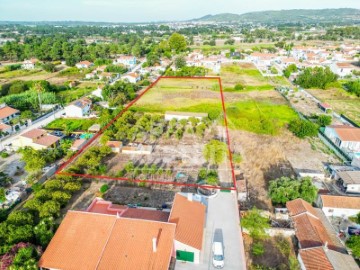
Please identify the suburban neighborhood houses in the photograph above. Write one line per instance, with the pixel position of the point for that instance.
(225, 141)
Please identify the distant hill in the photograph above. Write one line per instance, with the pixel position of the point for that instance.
(342, 15)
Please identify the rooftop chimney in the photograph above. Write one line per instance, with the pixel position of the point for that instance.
(326, 246)
(190, 197)
(154, 242)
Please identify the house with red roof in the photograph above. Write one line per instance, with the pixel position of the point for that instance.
(319, 246)
(7, 113)
(131, 77)
(347, 138)
(109, 236)
(36, 138)
(84, 64)
(29, 64)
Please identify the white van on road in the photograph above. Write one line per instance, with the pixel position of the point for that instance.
(218, 255)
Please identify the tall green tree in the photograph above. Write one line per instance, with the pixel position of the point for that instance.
(177, 42)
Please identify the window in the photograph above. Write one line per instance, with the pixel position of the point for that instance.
(331, 210)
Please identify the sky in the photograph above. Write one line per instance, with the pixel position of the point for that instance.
(148, 10)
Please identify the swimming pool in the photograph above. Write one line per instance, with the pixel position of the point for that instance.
(86, 136)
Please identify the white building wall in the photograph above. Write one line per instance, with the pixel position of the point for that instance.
(339, 212)
(353, 188)
(183, 247)
(75, 111)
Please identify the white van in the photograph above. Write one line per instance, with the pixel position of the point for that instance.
(218, 255)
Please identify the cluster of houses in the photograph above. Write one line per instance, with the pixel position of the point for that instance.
(319, 245)
(7, 115)
(213, 62)
(339, 59)
(109, 236)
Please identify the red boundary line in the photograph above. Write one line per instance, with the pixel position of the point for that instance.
(97, 135)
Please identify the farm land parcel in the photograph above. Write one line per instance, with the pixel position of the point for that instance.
(179, 158)
(262, 112)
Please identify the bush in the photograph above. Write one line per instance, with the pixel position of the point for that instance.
(324, 120)
(257, 249)
(303, 128)
(104, 188)
(4, 154)
(238, 87)
(49, 67)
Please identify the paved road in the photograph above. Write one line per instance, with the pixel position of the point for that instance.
(39, 123)
(222, 217)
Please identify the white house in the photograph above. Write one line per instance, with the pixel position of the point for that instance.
(84, 64)
(342, 69)
(189, 216)
(78, 108)
(126, 60)
(184, 115)
(263, 59)
(347, 138)
(5, 129)
(29, 64)
(350, 180)
(131, 77)
(339, 206)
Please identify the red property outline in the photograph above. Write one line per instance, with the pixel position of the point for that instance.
(98, 134)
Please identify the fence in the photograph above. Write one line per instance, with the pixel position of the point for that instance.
(341, 154)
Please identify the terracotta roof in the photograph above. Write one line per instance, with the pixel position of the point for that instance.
(114, 144)
(299, 206)
(315, 259)
(344, 202)
(106, 207)
(311, 232)
(344, 65)
(47, 140)
(190, 219)
(347, 133)
(137, 213)
(80, 240)
(130, 245)
(87, 63)
(325, 105)
(34, 133)
(132, 74)
(321, 258)
(7, 111)
(96, 241)
(4, 126)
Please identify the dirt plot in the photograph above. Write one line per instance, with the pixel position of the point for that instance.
(268, 157)
(304, 104)
(340, 101)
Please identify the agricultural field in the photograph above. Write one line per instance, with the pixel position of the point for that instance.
(72, 94)
(341, 102)
(262, 112)
(249, 77)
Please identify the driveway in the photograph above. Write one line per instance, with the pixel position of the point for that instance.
(223, 224)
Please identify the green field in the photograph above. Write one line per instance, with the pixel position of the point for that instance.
(20, 73)
(71, 125)
(257, 114)
(73, 94)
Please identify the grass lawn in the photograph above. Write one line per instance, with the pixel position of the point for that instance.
(260, 115)
(73, 94)
(20, 73)
(341, 101)
(71, 125)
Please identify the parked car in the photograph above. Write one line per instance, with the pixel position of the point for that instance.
(218, 255)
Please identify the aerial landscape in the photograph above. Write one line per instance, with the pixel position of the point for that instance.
(148, 135)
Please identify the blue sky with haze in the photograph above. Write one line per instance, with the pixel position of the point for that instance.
(147, 10)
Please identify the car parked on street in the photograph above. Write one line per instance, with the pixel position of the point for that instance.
(218, 255)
